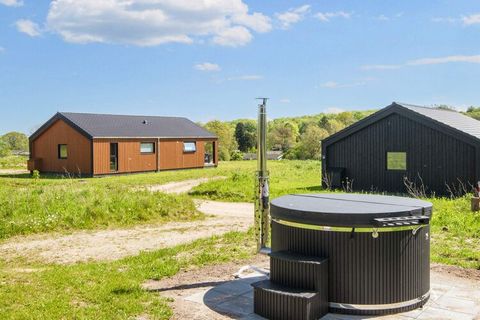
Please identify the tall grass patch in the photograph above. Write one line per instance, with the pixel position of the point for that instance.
(42, 208)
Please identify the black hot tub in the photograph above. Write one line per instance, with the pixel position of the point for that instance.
(375, 251)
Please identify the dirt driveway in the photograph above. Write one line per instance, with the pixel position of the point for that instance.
(107, 245)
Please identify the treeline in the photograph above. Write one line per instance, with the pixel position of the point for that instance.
(296, 137)
(13, 142)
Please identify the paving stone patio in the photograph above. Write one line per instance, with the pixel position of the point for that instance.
(452, 298)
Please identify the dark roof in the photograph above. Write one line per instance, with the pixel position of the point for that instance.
(450, 121)
(124, 126)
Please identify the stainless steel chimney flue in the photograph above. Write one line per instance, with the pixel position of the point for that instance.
(262, 192)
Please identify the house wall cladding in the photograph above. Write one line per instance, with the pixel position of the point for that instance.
(172, 155)
(45, 147)
(436, 157)
(129, 157)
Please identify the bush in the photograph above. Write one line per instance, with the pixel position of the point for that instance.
(236, 155)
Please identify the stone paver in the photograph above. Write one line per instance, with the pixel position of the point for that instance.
(452, 298)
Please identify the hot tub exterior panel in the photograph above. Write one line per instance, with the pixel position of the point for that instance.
(389, 270)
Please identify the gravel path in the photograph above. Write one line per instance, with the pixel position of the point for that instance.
(181, 186)
(108, 245)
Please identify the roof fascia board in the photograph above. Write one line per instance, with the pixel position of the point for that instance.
(206, 138)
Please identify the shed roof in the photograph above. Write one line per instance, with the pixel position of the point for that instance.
(450, 121)
(451, 118)
(128, 126)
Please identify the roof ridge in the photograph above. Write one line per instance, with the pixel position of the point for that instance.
(119, 115)
(425, 107)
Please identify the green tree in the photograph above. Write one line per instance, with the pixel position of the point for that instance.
(245, 134)
(226, 140)
(283, 135)
(16, 141)
(4, 148)
(309, 145)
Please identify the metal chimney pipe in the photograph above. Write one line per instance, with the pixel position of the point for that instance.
(262, 203)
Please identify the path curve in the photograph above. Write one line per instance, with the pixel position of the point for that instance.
(113, 244)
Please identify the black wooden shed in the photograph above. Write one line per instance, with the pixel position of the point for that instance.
(436, 148)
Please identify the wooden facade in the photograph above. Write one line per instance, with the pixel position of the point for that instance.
(92, 156)
(436, 156)
(44, 149)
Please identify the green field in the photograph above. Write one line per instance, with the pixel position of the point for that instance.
(13, 162)
(112, 290)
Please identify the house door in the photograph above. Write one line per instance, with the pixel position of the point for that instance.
(113, 157)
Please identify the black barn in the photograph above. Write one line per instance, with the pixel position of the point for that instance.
(428, 146)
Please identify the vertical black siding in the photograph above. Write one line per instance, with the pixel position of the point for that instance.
(438, 158)
(395, 267)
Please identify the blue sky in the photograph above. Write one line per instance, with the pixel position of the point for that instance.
(209, 59)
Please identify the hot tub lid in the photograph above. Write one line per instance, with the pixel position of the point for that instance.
(345, 210)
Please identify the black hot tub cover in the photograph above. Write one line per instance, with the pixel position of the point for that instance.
(345, 210)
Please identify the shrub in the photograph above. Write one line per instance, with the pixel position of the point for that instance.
(236, 155)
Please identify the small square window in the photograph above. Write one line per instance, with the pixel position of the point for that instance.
(147, 147)
(189, 147)
(62, 151)
(396, 161)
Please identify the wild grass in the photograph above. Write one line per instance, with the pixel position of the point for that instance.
(13, 162)
(61, 207)
(109, 290)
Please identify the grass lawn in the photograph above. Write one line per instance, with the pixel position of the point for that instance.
(13, 162)
(108, 290)
(112, 290)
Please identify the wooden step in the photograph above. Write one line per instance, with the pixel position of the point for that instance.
(299, 271)
(276, 302)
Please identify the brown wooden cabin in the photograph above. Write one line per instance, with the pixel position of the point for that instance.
(100, 144)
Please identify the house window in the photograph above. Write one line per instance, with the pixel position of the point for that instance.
(396, 161)
(189, 147)
(62, 151)
(147, 147)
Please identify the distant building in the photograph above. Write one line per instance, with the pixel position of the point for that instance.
(99, 144)
(439, 149)
(271, 155)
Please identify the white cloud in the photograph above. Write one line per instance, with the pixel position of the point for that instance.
(441, 60)
(471, 19)
(425, 61)
(383, 17)
(327, 16)
(12, 3)
(284, 100)
(292, 16)
(155, 22)
(207, 66)
(28, 27)
(2, 49)
(233, 37)
(250, 77)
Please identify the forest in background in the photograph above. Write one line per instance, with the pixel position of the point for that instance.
(297, 137)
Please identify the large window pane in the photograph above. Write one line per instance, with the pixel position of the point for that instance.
(189, 147)
(147, 147)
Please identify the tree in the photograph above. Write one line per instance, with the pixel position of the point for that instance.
(245, 134)
(4, 148)
(226, 140)
(283, 135)
(16, 141)
(309, 145)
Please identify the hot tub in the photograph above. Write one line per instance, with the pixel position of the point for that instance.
(376, 250)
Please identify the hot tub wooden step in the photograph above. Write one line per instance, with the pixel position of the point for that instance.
(276, 302)
(298, 271)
